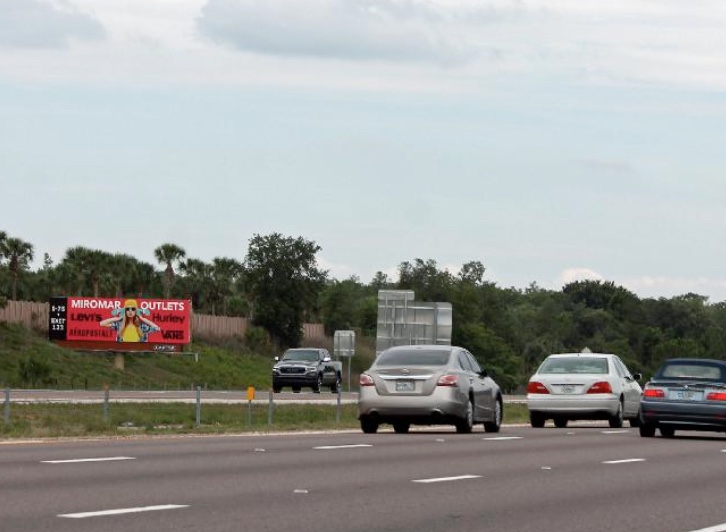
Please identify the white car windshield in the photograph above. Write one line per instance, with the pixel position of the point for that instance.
(585, 365)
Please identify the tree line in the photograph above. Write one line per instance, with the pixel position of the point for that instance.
(279, 285)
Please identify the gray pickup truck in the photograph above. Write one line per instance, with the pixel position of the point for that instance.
(306, 367)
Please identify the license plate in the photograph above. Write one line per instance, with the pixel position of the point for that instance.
(404, 386)
(568, 388)
(685, 395)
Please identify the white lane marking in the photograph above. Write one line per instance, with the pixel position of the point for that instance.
(723, 450)
(80, 460)
(119, 511)
(445, 479)
(300, 491)
(353, 446)
(629, 460)
(503, 438)
(615, 431)
(716, 528)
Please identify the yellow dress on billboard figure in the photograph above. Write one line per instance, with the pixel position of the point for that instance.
(130, 324)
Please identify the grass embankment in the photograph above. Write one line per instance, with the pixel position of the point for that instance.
(129, 419)
(29, 360)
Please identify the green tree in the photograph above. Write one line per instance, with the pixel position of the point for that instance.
(284, 280)
(167, 255)
(19, 255)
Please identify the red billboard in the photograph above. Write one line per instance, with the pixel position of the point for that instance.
(121, 324)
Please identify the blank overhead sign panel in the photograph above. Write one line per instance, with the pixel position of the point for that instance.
(404, 321)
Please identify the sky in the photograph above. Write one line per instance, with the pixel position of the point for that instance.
(551, 140)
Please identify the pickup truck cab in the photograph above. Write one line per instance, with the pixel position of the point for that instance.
(306, 367)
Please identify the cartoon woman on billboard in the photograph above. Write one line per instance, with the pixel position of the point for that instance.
(130, 323)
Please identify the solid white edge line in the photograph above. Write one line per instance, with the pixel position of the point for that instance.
(352, 446)
(629, 460)
(615, 431)
(119, 511)
(716, 528)
(503, 438)
(445, 479)
(80, 460)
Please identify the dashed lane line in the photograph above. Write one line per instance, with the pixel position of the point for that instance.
(81, 460)
(120, 511)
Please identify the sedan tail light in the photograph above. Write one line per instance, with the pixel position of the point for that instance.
(448, 380)
(716, 396)
(536, 387)
(366, 380)
(656, 393)
(600, 387)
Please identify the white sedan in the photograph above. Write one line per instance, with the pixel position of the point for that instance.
(585, 385)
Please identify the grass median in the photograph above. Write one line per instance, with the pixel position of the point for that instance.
(63, 420)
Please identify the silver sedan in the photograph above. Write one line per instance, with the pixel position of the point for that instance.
(584, 385)
(428, 385)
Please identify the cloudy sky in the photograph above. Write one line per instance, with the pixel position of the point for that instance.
(552, 140)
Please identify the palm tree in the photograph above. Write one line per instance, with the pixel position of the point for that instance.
(86, 266)
(19, 254)
(196, 280)
(224, 275)
(167, 254)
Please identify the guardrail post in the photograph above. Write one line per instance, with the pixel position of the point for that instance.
(199, 406)
(7, 406)
(105, 404)
(339, 406)
(270, 408)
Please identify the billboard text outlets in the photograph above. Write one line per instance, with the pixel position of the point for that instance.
(120, 320)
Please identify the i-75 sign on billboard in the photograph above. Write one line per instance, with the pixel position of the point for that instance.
(120, 324)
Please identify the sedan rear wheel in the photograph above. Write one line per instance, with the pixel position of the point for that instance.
(561, 422)
(616, 421)
(466, 424)
(494, 426)
(667, 432)
(368, 425)
(647, 431)
(401, 427)
(537, 420)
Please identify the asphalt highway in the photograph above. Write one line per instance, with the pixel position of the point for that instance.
(583, 478)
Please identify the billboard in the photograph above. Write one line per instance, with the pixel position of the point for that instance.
(120, 324)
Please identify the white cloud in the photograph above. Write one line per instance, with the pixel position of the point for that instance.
(363, 29)
(45, 24)
(661, 286)
(571, 275)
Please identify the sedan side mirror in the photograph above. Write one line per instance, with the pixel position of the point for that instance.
(637, 376)
(483, 373)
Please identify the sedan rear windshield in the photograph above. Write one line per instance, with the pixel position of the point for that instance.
(413, 358)
(589, 365)
(691, 371)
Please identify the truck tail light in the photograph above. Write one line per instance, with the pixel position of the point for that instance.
(448, 380)
(600, 387)
(366, 380)
(536, 387)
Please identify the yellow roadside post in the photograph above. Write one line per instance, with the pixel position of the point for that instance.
(250, 398)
